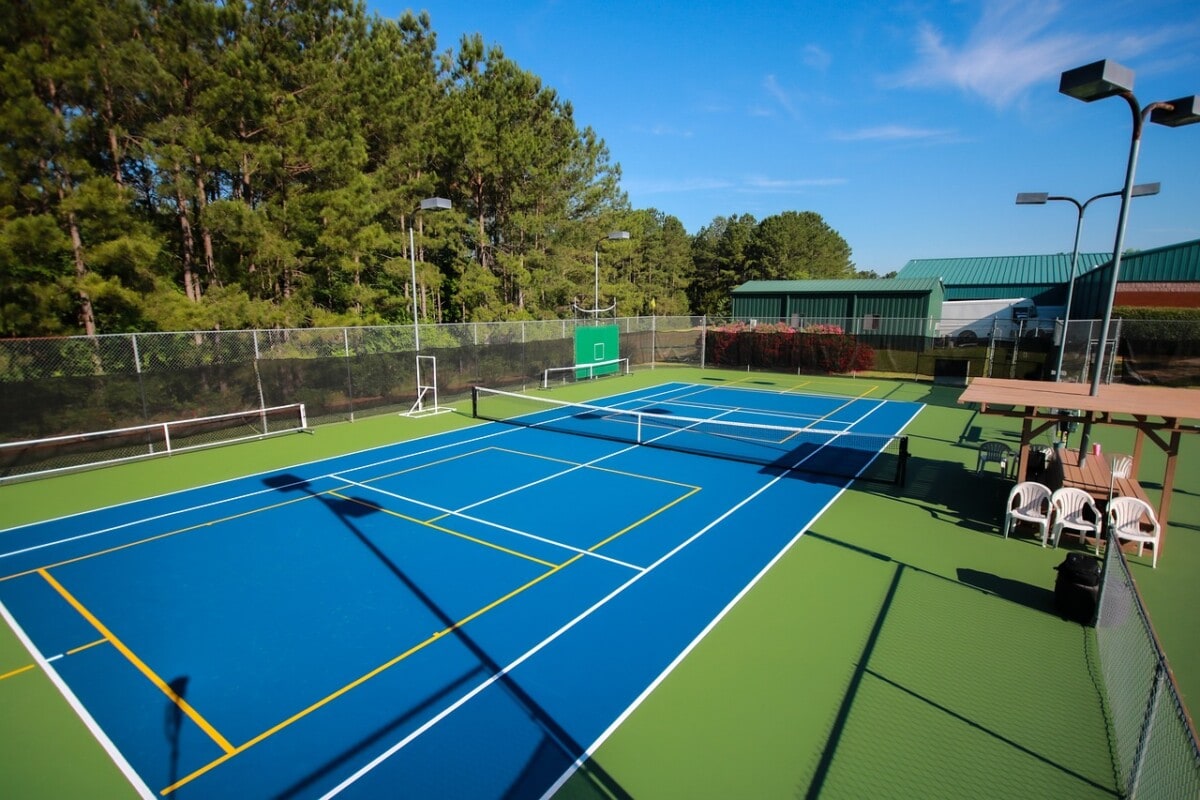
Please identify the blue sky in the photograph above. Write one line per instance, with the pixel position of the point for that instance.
(909, 126)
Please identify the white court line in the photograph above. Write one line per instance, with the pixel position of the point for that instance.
(277, 470)
(86, 718)
(637, 701)
(573, 468)
(441, 715)
(177, 512)
(490, 524)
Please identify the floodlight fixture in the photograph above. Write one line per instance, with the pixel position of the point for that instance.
(428, 204)
(1175, 113)
(1096, 81)
(1040, 198)
(612, 235)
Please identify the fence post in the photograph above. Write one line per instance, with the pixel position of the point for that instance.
(703, 338)
(653, 340)
(349, 372)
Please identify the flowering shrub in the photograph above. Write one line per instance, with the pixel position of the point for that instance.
(814, 348)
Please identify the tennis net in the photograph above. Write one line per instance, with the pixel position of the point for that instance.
(99, 448)
(848, 454)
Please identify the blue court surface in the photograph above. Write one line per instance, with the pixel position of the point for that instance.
(463, 616)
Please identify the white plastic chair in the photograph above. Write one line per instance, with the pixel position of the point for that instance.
(1125, 516)
(1121, 466)
(995, 452)
(1067, 506)
(1029, 502)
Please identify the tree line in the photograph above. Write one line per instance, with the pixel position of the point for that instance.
(220, 164)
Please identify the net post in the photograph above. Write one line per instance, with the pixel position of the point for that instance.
(475, 402)
(902, 467)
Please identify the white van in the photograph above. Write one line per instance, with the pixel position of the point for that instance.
(967, 322)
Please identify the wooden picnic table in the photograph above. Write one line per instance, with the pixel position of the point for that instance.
(1095, 477)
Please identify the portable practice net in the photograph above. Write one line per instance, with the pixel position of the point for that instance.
(97, 448)
(585, 371)
(866, 456)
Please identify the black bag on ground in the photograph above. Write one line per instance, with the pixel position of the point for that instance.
(1077, 588)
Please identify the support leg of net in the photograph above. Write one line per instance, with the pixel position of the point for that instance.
(427, 392)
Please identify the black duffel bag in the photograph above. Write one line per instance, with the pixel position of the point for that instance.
(1077, 588)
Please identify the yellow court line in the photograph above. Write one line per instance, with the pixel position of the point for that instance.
(162, 685)
(472, 539)
(17, 671)
(529, 455)
(364, 678)
(646, 518)
(88, 646)
(156, 537)
(70, 652)
(589, 465)
(445, 460)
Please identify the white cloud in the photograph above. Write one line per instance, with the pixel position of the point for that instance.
(891, 133)
(661, 129)
(771, 85)
(760, 184)
(1014, 45)
(816, 57)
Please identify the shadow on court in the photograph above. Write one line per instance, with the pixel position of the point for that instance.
(174, 723)
(557, 749)
(912, 682)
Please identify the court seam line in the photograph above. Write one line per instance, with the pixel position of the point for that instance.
(662, 676)
(138, 664)
(437, 718)
(448, 512)
(370, 674)
(440, 529)
(118, 758)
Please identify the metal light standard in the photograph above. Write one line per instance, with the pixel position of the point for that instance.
(1040, 198)
(1096, 82)
(428, 204)
(426, 366)
(612, 235)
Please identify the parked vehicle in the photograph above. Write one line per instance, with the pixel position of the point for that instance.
(968, 322)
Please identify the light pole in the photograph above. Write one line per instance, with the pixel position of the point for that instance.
(611, 235)
(428, 204)
(1040, 198)
(1098, 81)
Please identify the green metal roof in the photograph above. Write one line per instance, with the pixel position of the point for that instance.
(1009, 270)
(850, 285)
(1173, 263)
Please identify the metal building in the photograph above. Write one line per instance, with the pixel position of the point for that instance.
(1042, 279)
(1165, 277)
(885, 306)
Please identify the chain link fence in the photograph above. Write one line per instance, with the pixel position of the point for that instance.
(71, 385)
(1154, 743)
(1163, 352)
